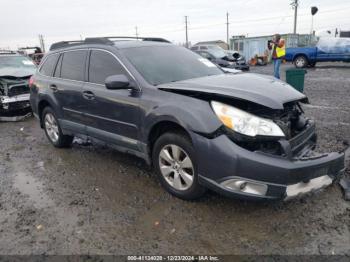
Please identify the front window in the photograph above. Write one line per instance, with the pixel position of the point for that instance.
(165, 64)
(103, 65)
(18, 66)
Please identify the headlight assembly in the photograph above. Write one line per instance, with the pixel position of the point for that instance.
(245, 123)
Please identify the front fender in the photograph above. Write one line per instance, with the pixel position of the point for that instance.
(196, 116)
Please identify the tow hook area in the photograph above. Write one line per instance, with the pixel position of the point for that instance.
(312, 185)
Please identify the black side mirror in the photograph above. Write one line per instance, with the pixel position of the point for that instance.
(117, 82)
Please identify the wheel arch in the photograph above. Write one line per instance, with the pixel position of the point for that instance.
(41, 106)
(45, 100)
(161, 127)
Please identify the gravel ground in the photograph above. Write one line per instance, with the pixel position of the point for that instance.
(90, 199)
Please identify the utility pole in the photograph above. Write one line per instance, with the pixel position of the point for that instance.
(136, 33)
(42, 43)
(227, 31)
(295, 4)
(186, 31)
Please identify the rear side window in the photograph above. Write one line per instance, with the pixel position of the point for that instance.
(73, 64)
(204, 48)
(102, 65)
(49, 65)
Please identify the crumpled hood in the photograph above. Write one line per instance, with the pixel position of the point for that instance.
(16, 72)
(260, 89)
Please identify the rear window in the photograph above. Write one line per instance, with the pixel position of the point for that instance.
(49, 64)
(73, 64)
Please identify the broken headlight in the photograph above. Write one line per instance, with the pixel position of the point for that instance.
(245, 123)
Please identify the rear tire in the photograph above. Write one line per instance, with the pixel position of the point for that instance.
(301, 61)
(174, 159)
(53, 130)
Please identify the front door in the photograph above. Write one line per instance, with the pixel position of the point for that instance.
(110, 115)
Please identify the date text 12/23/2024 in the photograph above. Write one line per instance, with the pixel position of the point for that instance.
(173, 258)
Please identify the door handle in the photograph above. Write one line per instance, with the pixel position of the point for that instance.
(54, 88)
(88, 95)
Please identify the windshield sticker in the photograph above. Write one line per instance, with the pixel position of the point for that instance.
(27, 62)
(206, 62)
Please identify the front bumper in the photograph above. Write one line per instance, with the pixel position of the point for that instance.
(243, 67)
(14, 108)
(234, 171)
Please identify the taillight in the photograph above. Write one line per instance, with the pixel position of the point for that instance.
(31, 81)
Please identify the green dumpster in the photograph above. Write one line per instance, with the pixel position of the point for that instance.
(295, 77)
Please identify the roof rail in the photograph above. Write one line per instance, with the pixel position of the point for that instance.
(65, 44)
(104, 40)
(121, 38)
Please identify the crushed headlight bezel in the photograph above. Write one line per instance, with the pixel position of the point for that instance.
(245, 123)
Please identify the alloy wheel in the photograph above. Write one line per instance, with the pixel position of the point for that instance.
(176, 167)
(51, 127)
(300, 62)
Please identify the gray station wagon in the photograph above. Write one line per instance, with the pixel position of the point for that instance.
(243, 135)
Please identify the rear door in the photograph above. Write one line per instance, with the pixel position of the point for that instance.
(110, 115)
(43, 79)
(67, 87)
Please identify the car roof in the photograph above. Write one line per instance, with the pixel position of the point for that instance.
(117, 42)
(117, 45)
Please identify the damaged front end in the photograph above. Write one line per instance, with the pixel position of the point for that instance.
(284, 165)
(14, 98)
(299, 132)
(291, 160)
(264, 145)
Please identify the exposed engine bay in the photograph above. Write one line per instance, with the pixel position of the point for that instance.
(15, 72)
(14, 98)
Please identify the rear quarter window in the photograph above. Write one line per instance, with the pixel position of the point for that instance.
(57, 72)
(48, 65)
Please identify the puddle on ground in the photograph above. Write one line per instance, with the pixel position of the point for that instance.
(29, 186)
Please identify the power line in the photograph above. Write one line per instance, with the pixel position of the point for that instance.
(245, 21)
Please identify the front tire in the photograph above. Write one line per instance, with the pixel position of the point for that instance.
(53, 130)
(176, 166)
(312, 64)
(300, 61)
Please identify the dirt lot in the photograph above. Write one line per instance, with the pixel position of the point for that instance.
(91, 199)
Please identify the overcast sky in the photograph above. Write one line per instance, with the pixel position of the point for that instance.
(22, 21)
